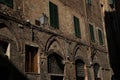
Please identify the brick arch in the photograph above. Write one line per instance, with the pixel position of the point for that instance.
(75, 56)
(7, 25)
(50, 42)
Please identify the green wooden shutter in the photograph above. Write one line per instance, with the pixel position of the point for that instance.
(2, 1)
(89, 2)
(100, 37)
(54, 21)
(77, 27)
(92, 37)
(111, 2)
(9, 3)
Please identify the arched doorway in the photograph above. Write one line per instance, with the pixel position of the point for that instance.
(55, 67)
(80, 72)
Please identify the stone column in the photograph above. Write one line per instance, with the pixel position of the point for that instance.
(69, 72)
(43, 68)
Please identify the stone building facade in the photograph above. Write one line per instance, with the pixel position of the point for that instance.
(55, 39)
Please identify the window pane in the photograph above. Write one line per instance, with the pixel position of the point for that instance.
(92, 37)
(77, 27)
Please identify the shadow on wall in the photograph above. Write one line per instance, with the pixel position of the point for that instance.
(112, 24)
(8, 71)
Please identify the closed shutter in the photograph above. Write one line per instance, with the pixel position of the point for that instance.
(92, 37)
(100, 37)
(77, 27)
(54, 21)
(9, 3)
(2, 1)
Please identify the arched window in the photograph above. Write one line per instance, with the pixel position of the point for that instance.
(96, 70)
(80, 74)
(55, 67)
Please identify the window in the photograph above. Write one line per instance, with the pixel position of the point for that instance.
(54, 21)
(77, 27)
(55, 66)
(4, 49)
(92, 36)
(31, 59)
(111, 3)
(89, 2)
(100, 37)
(7, 2)
(80, 74)
(96, 71)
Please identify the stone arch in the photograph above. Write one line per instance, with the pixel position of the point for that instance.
(80, 55)
(7, 25)
(7, 44)
(54, 45)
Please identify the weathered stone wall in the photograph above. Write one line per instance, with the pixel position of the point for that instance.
(49, 40)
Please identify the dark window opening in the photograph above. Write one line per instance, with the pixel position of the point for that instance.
(100, 37)
(89, 2)
(80, 74)
(77, 27)
(9, 3)
(3, 48)
(54, 20)
(92, 36)
(55, 64)
(31, 59)
(96, 70)
(111, 3)
(56, 77)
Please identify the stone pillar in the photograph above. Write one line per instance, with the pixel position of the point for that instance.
(43, 68)
(69, 72)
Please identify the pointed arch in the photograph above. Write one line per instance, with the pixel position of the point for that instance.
(7, 24)
(80, 55)
(54, 45)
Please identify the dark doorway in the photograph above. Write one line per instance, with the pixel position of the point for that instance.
(56, 77)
